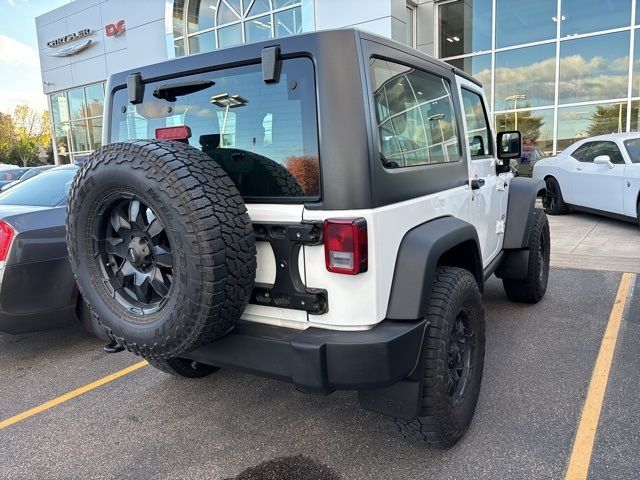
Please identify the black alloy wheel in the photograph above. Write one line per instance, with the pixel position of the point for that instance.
(134, 254)
(552, 201)
(459, 353)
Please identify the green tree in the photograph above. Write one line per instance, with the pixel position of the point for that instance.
(611, 119)
(33, 134)
(529, 124)
(7, 137)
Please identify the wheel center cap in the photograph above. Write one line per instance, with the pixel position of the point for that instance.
(135, 258)
(138, 252)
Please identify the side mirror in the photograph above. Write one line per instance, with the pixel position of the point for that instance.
(509, 145)
(603, 160)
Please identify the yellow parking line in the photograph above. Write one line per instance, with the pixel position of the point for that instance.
(68, 396)
(585, 436)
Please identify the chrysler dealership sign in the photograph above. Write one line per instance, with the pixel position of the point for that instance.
(70, 38)
(70, 49)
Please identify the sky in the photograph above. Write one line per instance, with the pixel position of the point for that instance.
(20, 80)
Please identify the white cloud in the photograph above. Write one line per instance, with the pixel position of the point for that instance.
(10, 99)
(14, 52)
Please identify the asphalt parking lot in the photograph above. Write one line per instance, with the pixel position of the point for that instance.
(147, 424)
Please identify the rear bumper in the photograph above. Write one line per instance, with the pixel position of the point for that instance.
(320, 360)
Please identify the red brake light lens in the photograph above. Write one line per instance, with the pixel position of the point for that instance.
(181, 133)
(6, 237)
(345, 245)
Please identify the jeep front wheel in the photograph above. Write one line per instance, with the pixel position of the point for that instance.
(161, 245)
(452, 360)
(533, 287)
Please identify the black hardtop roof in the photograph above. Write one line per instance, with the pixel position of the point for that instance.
(291, 45)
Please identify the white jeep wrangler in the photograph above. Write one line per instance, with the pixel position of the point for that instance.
(323, 209)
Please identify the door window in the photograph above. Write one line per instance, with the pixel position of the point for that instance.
(589, 151)
(477, 124)
(415, 116)
(607, 148)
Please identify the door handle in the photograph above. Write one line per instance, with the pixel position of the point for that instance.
(579, 167)
(476, 183)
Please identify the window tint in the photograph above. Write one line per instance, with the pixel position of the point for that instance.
(606, 148)
(633, 148)
(477, 127)
(47, 190)
(263, 135)
(415, 116)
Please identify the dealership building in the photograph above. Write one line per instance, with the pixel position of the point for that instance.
(558, 70)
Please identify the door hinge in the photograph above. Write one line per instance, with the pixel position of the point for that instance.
(501, 184)
(500, 225)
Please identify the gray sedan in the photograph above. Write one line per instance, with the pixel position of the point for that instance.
(37, 288)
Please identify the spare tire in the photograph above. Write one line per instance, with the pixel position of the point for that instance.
(161, 245)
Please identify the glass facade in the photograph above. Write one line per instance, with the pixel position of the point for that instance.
(558, 70)
(205, 25)
(77, 121)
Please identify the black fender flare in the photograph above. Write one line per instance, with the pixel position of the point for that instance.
(522, 202)
(419, 254)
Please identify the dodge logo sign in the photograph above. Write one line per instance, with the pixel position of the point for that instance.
(114, 29)
(70, 38)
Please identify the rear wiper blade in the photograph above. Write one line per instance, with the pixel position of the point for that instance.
(170, 91)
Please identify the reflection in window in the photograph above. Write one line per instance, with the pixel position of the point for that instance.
(263, 135)
(478, 66)
(84, 107)
(535, 126)
(415, 116)
(205, 42)
(465, 27)
(584, 16)
(524, 21)
(236, 21)
(230, 36)
(288, 22)
(525, 77)
(178, 18)
(594, 68)
(635, 116)
(201, 15)
(584, 121)
(77, 105)
(635, 86)
(477, 127)
(258, 29)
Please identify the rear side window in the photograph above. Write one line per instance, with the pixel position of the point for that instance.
(582, 153)
(47, 190)
(477, 124)
(264, 136)
(415, 116)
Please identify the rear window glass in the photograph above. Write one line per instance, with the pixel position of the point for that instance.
(263, 135)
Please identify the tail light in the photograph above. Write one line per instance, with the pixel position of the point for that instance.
(6, 237)
(181, 133)
(345, 245)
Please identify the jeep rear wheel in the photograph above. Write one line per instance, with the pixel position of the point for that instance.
(452, 360)
(161, 245)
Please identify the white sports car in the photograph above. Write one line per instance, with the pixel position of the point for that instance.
(598, 175)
